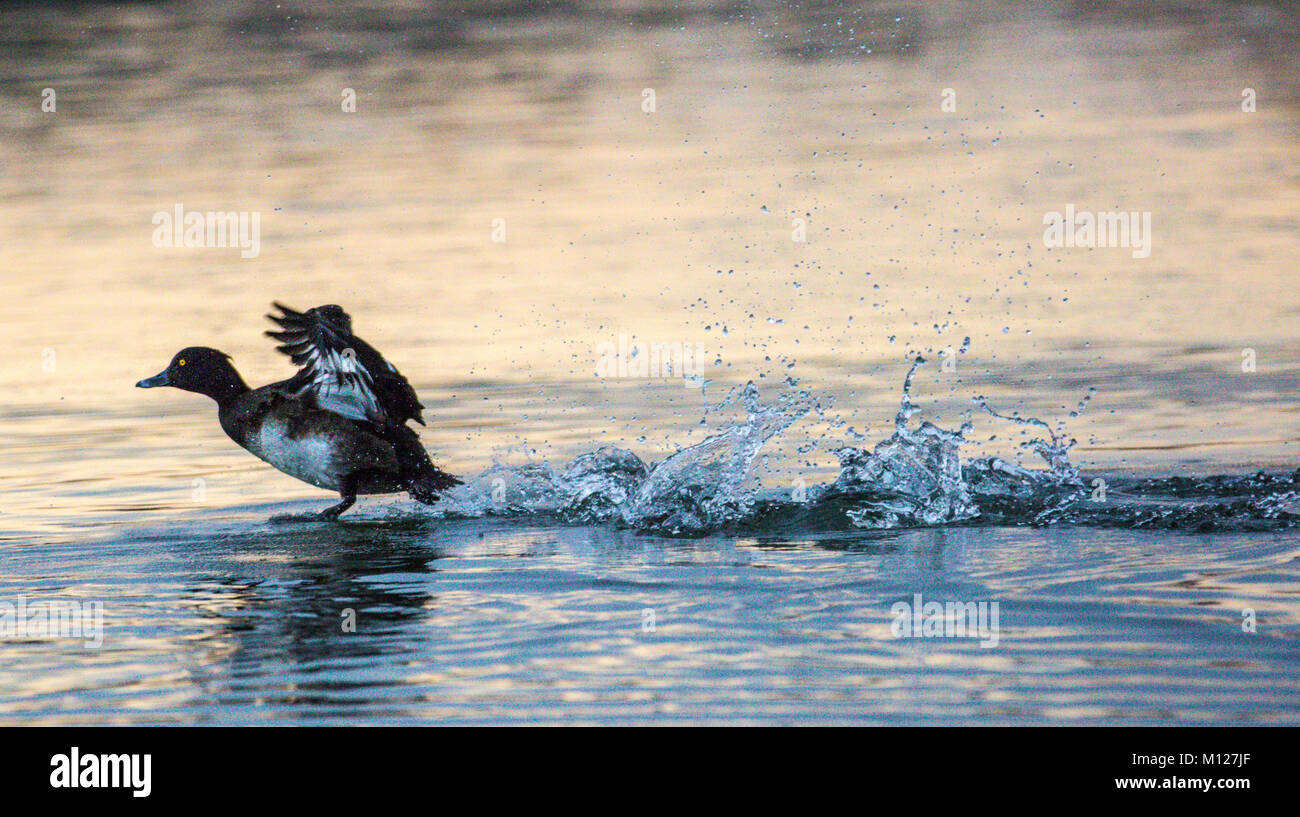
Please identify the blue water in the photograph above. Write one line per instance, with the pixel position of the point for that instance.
(494, 621)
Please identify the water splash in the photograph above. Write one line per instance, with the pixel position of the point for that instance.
(915, 477)
(704, 486)
(601, 486)
(1055, 450)
(695, 490)
(912, 478)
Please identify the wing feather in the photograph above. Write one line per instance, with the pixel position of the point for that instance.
(342, 372)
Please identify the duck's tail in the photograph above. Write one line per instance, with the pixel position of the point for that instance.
(423, 480)
(426, 487)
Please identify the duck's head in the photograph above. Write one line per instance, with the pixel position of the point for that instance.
(199, 369)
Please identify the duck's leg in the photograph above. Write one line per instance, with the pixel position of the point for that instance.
(348, 490)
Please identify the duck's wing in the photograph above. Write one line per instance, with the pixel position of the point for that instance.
(340, 371)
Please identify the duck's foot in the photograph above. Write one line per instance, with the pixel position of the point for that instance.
(348, 492)
(328, 515)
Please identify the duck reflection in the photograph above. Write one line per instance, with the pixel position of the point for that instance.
(311, 605)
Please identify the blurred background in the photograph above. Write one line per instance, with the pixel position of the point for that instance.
(812, 191)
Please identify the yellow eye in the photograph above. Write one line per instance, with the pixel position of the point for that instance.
(180, 362)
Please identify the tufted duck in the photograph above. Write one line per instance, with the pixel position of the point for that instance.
(340, 423)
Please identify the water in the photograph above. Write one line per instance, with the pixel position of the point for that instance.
(1081, 444)
(491, 623)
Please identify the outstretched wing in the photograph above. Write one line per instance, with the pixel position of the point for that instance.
(342, 372)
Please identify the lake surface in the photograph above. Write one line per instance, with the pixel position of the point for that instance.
(808, 198)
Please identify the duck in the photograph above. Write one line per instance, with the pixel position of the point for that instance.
(340, 423)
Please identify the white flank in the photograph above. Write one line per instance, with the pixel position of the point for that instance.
(306, 458)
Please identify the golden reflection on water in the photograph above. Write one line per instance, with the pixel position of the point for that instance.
(675, 225)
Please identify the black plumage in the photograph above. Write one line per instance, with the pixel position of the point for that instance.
(339, 423)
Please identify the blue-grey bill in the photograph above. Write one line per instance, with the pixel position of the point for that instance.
(160, 379)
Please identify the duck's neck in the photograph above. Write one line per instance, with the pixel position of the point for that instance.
(225, 388)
